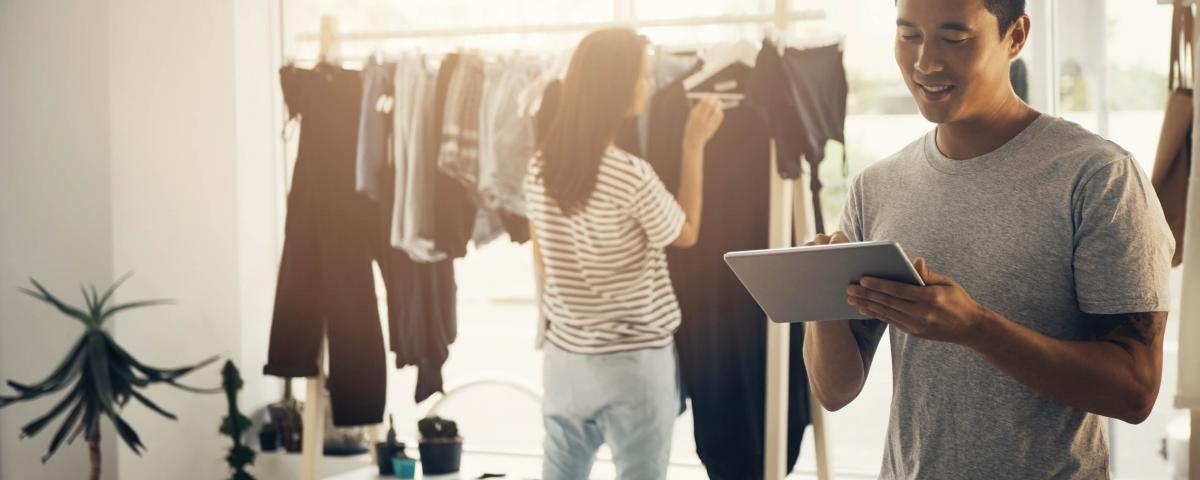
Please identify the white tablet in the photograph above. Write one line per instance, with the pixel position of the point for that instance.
(802, 284)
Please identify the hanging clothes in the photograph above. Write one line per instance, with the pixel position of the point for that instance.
(488, 227)
(665, 69)
(453, 209)
(805, 94)
(421, 295)
(462, 150)
(517, 227)
(459, 156)
(373, 131)
(505, 145)
(722, 340)
(530, 98)
(506, 139)
(326, 287)
(422, 311)
(414, 219)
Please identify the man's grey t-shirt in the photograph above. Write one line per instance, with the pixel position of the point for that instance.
(1056, 223)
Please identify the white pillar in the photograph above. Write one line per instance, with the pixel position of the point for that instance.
(1188, 395)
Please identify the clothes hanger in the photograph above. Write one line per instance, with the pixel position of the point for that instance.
(818, 41)
(783, 40)
(716, 59)
(720, 56)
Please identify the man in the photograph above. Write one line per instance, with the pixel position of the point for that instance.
(1045, 255)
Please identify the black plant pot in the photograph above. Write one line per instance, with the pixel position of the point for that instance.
(441, 455)
(384, 452)
(268, 440)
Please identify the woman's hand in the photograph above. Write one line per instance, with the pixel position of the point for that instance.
(702, 123)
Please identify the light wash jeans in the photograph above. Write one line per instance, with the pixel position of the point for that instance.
(628, 400)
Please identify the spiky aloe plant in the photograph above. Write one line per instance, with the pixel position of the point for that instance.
(101, 376)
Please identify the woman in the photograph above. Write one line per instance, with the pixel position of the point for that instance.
(600, 219)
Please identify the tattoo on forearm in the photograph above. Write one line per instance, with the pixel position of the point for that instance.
(1144, 327)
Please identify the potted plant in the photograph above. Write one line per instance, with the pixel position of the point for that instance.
(384, 451)
(403, 466)
(101, 378)
(440, 447)
(268, 437)
(286, 416)
(235, 424)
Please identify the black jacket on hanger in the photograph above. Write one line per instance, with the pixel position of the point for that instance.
(722, 341)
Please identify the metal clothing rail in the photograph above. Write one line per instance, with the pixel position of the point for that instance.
(794, 16)
(780, 233)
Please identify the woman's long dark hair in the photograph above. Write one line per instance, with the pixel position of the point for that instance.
(596, 95)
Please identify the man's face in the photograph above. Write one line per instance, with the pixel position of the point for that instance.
(952, 57)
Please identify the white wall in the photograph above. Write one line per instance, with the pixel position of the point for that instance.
(54, 204)
(174, 180)
(137, 136)
(190, 146)
(259, 119)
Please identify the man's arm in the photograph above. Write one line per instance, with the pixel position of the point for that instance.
(1116, 375)
(838, 354)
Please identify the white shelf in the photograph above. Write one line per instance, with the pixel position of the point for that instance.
(281, 465)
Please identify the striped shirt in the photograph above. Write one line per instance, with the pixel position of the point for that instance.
(606, 288)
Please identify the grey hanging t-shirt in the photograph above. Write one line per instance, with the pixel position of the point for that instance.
(1056, 223)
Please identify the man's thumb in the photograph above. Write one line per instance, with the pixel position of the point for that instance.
(921, 269)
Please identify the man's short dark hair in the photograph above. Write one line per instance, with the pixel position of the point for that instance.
(1006, 11)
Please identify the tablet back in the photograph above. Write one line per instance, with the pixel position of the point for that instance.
(803, 284)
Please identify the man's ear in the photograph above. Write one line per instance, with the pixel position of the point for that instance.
(1018, 33)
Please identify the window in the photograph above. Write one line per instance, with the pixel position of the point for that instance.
(657, 9)
(303, 16)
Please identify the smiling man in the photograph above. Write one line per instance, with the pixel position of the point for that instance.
(1046, 258)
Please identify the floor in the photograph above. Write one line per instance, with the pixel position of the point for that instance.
(272, 466)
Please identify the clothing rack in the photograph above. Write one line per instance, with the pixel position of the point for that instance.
(780, 235)
(781, 19)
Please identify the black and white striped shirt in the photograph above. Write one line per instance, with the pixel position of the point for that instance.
(606, 288)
